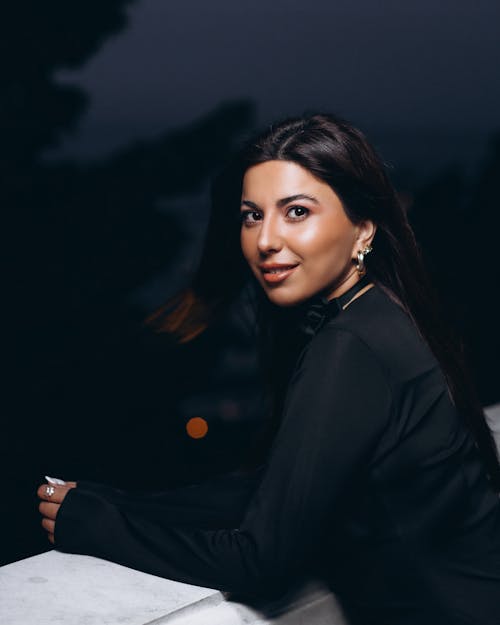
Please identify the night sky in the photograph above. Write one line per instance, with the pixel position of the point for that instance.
(422, 78)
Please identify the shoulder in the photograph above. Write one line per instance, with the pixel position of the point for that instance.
(338, 381)
(337, 342)
(338, 357)
(378, 328)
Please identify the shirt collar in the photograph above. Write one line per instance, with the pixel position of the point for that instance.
(319, 309)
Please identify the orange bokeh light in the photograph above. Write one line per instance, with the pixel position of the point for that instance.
(197, 427)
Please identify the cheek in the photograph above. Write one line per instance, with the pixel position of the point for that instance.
(322, 238)
(308, 238)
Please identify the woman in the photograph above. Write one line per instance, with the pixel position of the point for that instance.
(382, 477)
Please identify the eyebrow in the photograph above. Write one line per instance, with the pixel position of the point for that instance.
(284, 201)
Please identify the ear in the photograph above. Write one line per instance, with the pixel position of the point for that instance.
(366, 232)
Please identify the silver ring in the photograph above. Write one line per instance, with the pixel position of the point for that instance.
(49, 491)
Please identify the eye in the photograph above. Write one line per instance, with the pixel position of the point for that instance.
(296, 213)
(250, 217)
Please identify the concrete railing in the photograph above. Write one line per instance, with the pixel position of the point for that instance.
(69, 589)
(493, 419)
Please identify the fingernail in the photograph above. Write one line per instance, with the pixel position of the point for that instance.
(55, 480)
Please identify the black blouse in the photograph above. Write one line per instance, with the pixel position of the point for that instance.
(373, 484)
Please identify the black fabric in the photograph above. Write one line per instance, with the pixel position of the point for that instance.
(373, 483)
(317, 310)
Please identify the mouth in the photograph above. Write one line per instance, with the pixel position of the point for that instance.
(276, 273)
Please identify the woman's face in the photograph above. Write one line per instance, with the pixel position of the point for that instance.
(295, 234)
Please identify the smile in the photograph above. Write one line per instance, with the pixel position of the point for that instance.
(276, 273)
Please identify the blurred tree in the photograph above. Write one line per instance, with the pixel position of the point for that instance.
(40, 38)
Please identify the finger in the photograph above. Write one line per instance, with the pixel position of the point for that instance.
(51, 538)
(53, 493)
(48, 525)
(49, 510)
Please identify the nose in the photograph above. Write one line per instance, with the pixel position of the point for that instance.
(270, 238)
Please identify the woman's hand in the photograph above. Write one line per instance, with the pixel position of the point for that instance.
(52, 496)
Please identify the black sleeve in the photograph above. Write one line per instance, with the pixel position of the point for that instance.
(337, 407)
(217, 502)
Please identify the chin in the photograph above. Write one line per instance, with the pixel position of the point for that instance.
(280, 297)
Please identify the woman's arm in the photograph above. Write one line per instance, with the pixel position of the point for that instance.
(214, 503)
(337, 407)
(219, 501)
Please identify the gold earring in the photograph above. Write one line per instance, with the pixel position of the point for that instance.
(360, 266)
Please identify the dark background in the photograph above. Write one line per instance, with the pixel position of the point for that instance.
(114, 116)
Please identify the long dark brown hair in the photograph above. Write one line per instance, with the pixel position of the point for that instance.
(338, 154)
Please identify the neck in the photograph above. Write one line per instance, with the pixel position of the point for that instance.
(358, 294)
(349, 294)
(346, 283)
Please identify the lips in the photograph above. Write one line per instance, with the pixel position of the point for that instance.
(274, 273)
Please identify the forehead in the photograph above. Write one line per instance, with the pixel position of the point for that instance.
(278, 179)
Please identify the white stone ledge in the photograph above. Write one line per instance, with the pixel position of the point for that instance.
(55, 587)
(68, 589)
(493, 418)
